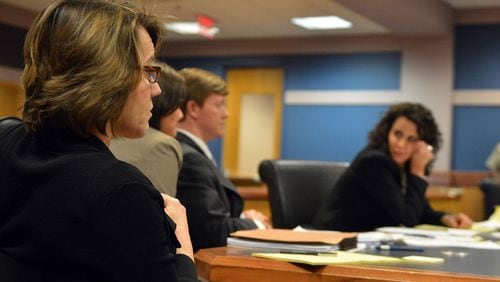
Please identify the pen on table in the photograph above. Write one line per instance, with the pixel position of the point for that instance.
(398, 248)
(304, 252)
(419, 235)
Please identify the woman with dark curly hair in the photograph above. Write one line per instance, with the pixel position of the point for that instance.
(384, 185)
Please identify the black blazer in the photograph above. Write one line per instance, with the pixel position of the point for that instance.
(370, 195)
(69, 207)
(212, 203)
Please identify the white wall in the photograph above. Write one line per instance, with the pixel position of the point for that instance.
(256, 123)
(427, 77)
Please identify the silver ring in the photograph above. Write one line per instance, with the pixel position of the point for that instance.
(430, 148)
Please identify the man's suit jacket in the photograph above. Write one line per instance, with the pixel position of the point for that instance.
(212, 203)
(157, 155)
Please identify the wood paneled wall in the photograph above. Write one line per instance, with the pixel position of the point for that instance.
(11, 99)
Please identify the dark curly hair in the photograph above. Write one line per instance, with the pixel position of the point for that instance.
(427, 128)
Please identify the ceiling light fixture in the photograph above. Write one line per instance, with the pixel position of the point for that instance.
(324, 22)
(191, 28)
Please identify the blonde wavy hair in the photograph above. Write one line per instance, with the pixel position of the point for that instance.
(82, 60)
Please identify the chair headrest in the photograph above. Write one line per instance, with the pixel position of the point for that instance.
(9, 121)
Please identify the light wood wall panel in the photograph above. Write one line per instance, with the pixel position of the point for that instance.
(11, 99)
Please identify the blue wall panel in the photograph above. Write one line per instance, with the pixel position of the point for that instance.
(327, 132)
(477, 67)
(476, 131)
(477, 57)
(346, 71)
(12, 46)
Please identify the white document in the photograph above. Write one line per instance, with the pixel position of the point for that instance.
(441, 238)
(451, 242)
(429, 233)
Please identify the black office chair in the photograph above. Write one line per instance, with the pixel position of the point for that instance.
(297, 188)
(8, 121)
(491, 190)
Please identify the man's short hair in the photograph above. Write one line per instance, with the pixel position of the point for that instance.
(200, 84)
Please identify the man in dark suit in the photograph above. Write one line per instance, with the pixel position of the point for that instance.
(214, 207)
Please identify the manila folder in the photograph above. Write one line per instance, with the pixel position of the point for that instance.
(343, 240)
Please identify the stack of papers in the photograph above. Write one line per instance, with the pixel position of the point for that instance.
(440, 238)
(314, 247)
(248, 243)
(423, 233)
(273, 237)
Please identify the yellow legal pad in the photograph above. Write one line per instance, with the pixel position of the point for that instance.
(344, 257)
(324, 259)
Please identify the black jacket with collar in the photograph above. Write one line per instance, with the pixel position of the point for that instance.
(69, 207)
(370, 194)
(212, 203)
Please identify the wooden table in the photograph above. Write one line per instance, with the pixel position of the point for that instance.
(467, 199)
(236, 264)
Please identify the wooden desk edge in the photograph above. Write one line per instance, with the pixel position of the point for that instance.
(220, 267)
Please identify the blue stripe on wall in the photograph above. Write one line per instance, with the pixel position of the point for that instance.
(345, 71)
(476, 131)
(327, 132)
(314, 72)
(477, 57)
(12, 46)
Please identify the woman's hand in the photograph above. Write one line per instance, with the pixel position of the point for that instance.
(459, 220)
(420, 158)
(177, 212)
(256, 215)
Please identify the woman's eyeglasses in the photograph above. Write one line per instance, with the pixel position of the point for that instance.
(152, 73)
